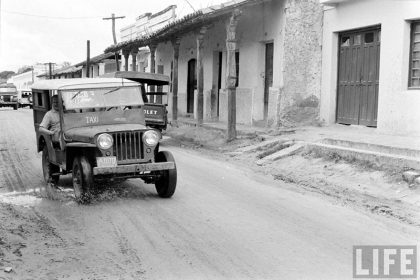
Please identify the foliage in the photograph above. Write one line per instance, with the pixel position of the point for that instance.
(4, 75)
(24, 69)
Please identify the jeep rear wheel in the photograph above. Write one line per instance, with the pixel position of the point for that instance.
(82, 179)
(48, 169)
(166, 184)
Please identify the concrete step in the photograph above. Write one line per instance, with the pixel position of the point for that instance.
(373, 147)
(379, 159)
(289, 151)
(268, 144)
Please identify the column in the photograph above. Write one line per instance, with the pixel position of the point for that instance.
(200, 78)
(152, 48)
(175, 43)
(231, 73)
(134, 52)
(126, 54)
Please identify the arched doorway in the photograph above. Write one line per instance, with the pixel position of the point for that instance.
(191, 84)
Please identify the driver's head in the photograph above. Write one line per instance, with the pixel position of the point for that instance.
(54, 101)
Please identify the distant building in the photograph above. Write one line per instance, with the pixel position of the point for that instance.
(38, 71)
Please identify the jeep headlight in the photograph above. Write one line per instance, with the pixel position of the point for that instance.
(104, 141)
(151, 137)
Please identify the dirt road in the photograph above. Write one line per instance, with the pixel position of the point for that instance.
(224, 222)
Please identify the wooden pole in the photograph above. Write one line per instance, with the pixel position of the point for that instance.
(113, 18)
(231, 73)
(88, 60)
(200, 78)
(175, 43)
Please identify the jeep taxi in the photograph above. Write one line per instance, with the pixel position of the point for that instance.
(103, 135)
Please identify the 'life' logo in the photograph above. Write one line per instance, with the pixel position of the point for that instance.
(384, 261)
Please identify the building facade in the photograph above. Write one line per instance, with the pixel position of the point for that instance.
(371, 64)
(276, 53)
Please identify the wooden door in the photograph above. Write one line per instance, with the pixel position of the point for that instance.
(358, 77)
(268, 79)
(191, 84)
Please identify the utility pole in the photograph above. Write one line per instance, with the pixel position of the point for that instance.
(88, 59)
(113, 18)
(50, 64)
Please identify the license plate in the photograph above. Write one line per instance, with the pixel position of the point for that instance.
(106, 161)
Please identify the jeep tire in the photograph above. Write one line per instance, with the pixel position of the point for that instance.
(82, 179)
(48, 169)
(166, 183)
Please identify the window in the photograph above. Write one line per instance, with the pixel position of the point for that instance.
(414, 77)
(357, 40)
(345, 41)
(39, 98)
(369, 37)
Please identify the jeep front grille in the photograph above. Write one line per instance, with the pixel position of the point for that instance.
(128, 147)
(7, 98)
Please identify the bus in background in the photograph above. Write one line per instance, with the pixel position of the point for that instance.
(25, 98)
(8, 96)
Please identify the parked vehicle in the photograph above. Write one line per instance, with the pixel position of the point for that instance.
(103, 135)
(25, 98)
(8, 96)
(154, 96)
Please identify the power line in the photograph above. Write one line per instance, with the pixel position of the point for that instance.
(50, 17)
(190, 5)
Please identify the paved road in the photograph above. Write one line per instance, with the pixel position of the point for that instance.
(224, 222)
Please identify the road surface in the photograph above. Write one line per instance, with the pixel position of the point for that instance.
(224, 222)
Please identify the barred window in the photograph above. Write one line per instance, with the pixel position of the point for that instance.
(414, 80)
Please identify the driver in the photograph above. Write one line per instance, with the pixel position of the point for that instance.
(51, 122)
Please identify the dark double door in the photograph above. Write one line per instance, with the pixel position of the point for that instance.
(358, 77)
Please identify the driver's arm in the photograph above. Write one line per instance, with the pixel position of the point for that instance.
(45, 124)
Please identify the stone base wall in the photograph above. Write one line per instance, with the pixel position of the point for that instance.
(299, 98)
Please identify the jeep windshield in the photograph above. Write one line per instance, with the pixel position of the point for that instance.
(79, 100)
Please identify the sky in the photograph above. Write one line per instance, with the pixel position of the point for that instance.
(41, 31)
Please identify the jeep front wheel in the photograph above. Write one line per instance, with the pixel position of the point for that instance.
(49, 170)
(166, 183)
(82, 179)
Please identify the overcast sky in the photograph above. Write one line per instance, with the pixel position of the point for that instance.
(43, 31)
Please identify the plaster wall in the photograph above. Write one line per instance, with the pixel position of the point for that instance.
(23, 80)
(398, 111)
(257, 26)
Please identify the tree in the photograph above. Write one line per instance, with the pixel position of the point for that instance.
(4, 75)
(24, 69)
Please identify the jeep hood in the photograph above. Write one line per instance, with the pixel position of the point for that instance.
(87, 134)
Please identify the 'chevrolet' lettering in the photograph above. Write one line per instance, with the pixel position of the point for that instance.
(150, 112)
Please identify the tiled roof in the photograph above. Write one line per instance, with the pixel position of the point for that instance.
(65, 70)
(97, 59)
(184, 25)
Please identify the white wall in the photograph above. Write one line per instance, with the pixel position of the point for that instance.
(257, 25)
(398, 107)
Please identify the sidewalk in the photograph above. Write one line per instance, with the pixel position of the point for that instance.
(355, 142)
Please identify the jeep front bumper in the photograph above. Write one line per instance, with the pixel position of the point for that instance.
(133, 168)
